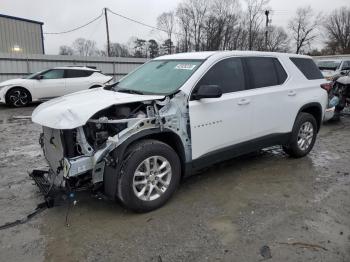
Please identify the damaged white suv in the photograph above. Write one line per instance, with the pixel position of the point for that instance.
(135, 139)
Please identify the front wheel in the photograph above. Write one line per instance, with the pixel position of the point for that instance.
(303, 136)
(18, 97)
(149, 175)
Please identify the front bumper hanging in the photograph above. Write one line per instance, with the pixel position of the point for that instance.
(52, 194)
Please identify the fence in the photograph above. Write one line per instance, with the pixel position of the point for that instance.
(20, 65)
(332, 57)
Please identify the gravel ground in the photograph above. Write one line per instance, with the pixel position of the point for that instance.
(254, 206)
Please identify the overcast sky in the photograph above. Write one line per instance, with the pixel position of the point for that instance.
(61, 15)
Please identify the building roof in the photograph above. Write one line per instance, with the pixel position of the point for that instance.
(21, 19)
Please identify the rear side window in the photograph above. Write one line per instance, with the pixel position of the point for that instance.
(308, 67)
(71, 73)
(264, 71)
(346, 65)
(228, 74)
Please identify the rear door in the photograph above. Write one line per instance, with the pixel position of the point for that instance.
(273, 102)
(51, 85)
(77, 80)
(218, 123)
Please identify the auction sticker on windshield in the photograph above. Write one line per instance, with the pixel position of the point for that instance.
(185, 66)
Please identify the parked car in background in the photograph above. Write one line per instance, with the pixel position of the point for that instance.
(135, 139)
(331, 68)
(49, 84)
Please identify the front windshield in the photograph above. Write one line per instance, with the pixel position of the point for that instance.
(328, 65)
(159, 77)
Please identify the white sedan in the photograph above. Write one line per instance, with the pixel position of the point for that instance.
(50, 83)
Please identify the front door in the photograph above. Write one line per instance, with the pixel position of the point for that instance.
(218, 123)
(51, 85)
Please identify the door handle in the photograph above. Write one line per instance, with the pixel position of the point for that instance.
(292, 93)
(243, 101)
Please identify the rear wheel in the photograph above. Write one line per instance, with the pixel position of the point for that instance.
(149, 176)
(303, 136)
(18, 97)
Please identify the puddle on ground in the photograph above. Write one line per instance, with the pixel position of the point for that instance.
(324, 158)
(15, 119)
(29, 150)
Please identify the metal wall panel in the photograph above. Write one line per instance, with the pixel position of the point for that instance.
(19, 65)
(26, 35)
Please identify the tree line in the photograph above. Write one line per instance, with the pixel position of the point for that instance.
(207, 25)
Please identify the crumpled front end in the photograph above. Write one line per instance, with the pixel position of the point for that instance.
(79, 157)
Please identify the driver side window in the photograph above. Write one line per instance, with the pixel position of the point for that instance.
(53, 74)
(228, 74)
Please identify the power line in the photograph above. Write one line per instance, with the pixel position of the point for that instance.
(140, 23)
(117, 14)
(77, 28)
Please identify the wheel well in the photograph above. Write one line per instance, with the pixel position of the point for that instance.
(316, 111)
(20, 87)
(171, 139)
(95, 86)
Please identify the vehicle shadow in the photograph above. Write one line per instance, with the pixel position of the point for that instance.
(226, 172)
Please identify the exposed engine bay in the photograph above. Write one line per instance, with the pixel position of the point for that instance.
(78, 157)
(339, 94)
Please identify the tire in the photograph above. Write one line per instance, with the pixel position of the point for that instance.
(303, 136)
(18, 97)
(154, 186)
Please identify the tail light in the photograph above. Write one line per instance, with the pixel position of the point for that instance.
(327, 86)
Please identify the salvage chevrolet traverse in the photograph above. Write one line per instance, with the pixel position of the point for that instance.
(134, 140)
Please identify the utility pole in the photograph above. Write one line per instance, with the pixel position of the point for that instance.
(267, 12)
(107, 30)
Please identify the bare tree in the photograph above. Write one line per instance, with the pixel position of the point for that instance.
(119, 50)
(303, 27)
(184, 23)
(254, 18)
(85, 47)
(166, 22)
(65, 50)
(221, 23)
(337, 26)
(277, 40)
(197, 12)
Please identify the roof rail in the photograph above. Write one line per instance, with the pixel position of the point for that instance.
(91, 67)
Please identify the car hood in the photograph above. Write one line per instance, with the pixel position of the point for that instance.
(16, 81)
(74, 110)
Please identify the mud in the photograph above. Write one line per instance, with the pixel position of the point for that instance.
(298, 208)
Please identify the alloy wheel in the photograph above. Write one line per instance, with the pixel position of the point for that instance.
(18, 98)
(305, 136)
(152, 178)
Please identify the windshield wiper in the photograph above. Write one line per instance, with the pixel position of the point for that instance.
(128, 91)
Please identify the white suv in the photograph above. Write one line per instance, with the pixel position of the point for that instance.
(50, 83)
(135, 139)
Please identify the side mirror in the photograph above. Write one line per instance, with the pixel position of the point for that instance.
(39, 77)
(207, 91)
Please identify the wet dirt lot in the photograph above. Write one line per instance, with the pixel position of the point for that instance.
(298, 208)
